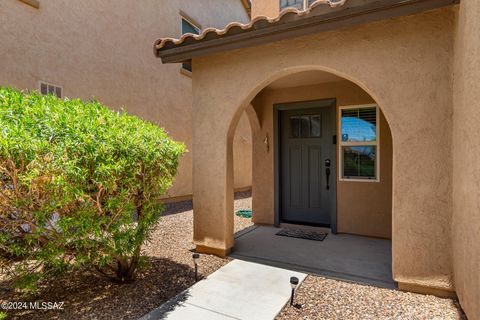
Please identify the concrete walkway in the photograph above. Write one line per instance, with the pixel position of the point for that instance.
(239, 290)
(340, 256)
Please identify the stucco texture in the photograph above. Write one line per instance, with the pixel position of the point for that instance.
(103, 49)
(269, 8)
(405, 65)
(466, 167)
(363, 208)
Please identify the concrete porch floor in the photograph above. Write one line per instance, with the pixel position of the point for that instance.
(345, 257)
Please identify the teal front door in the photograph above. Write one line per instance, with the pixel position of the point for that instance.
(307, 165)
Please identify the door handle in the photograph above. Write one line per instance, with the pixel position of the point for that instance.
(327, 172)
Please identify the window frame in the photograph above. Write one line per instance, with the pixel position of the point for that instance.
(375, 143)
(40, 82)
(305, 5)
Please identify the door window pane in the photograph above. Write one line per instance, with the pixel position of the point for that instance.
(305, 126)
(294, 127)
(299, 126)
(315, 126)
(359, 162)
(359, 125)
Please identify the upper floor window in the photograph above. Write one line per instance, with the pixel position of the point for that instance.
(359, 146)
(48, 88)
(188, 26)
(299, 4)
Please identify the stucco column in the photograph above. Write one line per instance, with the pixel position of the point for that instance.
(212, 172)
(212, 193)
(466, 167)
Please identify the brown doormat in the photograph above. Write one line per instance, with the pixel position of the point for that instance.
(302, 234)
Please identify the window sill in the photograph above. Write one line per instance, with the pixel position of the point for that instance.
(358, 180)
(186, 72)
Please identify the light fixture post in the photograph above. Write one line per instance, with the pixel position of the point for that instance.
(195, 257)
(293, 284)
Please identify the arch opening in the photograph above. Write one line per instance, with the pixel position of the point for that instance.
(301, 119)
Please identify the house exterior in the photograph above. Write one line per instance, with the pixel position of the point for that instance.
(69, 46)
(363, 117)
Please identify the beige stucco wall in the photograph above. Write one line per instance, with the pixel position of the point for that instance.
(242, 154)
(269, 8)
(104, 49)
(362, 207)
(405, 64)
(466, 166)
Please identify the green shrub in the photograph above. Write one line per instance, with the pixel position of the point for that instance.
(3, 315)
(80, 186)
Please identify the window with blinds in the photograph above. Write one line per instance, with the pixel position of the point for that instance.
(359, 132)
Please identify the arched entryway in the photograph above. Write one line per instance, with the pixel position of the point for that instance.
(322, 157)
(338, 91)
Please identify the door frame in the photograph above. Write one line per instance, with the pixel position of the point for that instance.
(298, 105)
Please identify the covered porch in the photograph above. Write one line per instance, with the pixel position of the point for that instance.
(345, 257)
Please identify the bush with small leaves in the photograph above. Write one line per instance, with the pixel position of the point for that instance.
(79, 186)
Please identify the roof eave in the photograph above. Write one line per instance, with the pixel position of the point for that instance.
(351, 16)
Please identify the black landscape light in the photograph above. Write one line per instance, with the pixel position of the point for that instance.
(195, 257)
(293, 284)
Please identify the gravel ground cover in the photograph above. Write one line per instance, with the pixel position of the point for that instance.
(321, 298)
(89, 296)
